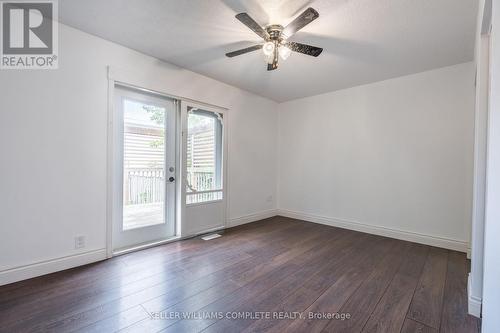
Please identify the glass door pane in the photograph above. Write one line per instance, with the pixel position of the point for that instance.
(203, 156)
(143, 164)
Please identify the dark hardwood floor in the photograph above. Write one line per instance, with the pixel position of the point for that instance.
(267, 276)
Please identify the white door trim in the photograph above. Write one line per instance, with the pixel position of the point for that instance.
(110, 157)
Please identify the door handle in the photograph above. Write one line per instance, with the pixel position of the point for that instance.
(171, 179)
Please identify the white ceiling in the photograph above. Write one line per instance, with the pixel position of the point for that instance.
(364, 40)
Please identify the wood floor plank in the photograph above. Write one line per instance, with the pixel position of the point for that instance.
(162, 302)
(359, 257)
(170, 290)
(390, 312)
(235, 300)
(242, 280)
(243, 294)
(277, 264)
(135, 265)
(362, 303)
(92, 298)
(329, 302)
(112, 311)
(160, 320)
(427, 302)
(121, 321)
(267, 301)
(411, 326)
(455, 317)
(172, 275)
(332, 299)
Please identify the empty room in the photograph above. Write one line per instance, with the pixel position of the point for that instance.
(250, 166)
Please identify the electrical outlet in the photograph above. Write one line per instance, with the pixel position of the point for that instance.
(270, 199)
(79, 242)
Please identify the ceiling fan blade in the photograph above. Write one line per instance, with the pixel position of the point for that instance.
(304, 48)
(254, 26)
(243, 51)
(309, 15)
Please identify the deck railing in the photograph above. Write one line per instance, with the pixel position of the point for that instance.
(200, 181)
(143, 186)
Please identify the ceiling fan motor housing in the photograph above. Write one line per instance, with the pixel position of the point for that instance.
(274, 31)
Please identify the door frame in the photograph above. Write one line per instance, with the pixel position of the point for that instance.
(137, 81)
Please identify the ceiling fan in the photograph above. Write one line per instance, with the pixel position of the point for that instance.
(275, 38)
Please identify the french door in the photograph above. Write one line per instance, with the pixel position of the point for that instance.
(204, 168)
(144, 140)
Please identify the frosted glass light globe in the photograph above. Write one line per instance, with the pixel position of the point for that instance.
(268, 48)
(284, 52)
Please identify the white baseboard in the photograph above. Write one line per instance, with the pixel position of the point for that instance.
(474, 303)
(50, 266)
(233, 222)
(446, 243)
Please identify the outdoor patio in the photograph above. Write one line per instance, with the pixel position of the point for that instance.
(142, 215)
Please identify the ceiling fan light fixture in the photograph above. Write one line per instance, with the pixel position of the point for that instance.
(268, 48)
(275, 38)
(284, 52)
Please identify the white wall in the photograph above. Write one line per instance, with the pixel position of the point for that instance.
(491, 285)
(393, 158)
(53, 147)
